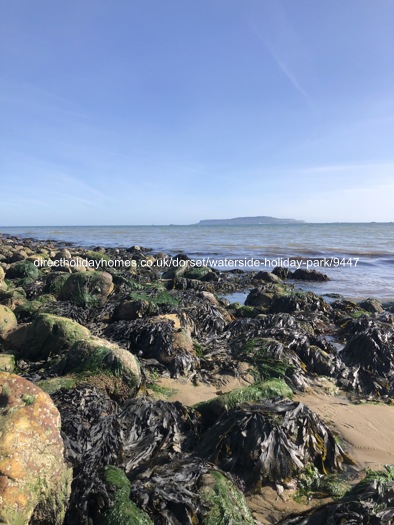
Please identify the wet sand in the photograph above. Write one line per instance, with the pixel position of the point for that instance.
(366, 432)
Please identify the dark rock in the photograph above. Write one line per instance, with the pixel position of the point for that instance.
(308, 275)
(371, 305)
(282, 273)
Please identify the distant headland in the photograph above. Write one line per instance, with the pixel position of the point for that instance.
(261, 219)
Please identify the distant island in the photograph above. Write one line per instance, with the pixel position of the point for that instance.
(249, 220)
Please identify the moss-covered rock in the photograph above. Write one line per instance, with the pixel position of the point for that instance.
(224, 503)
(213, 408)
(50, 335)
(95, 355)
(197, 273)
(54, 283)
(35, 482)
(87, 289)
(123, 511)
(8, 320)
(23, 270)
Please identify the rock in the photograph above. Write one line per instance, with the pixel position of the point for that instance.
(18, 255)
(282, 273)
(13, 298)
(308, 275)
(199, 273)
(371, 305)
(54, 283)
(123, 510)
(23, 270)
(267, 277)
(49, 335)
(95, 355)
(8, 320)
(263, 295)
(87, 289)
(35, 482)
(7, 362)
(62, 254)
(134, 309)
(2, 273)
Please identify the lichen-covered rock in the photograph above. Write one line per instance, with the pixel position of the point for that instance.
(35, 482)
(50, 335)
(8, 320)
(87, 288)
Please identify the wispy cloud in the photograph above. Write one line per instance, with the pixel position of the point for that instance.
(289, 74)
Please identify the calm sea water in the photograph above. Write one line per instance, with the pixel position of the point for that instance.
(372, 244)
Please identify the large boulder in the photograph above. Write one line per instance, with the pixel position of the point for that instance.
(50, 335)
(35, 482)
(87, 288)
(97, 356)
(8, 320)
(23, 270)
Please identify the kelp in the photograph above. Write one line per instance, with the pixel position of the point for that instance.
(98, 433)
(368, 357)
(92, 439)
(153, 429)
(190, 491)
(270, 441)
(153, 339)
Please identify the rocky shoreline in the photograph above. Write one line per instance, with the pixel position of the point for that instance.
(93, 427)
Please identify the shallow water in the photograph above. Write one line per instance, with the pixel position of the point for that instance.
(371, 243)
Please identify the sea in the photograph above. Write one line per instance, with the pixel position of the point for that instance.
(357, 257)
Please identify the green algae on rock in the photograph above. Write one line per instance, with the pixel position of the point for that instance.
(87, 289)
(49, 335)
(223, 501)
(123, 510)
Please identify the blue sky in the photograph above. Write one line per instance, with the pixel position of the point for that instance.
(158, 112)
